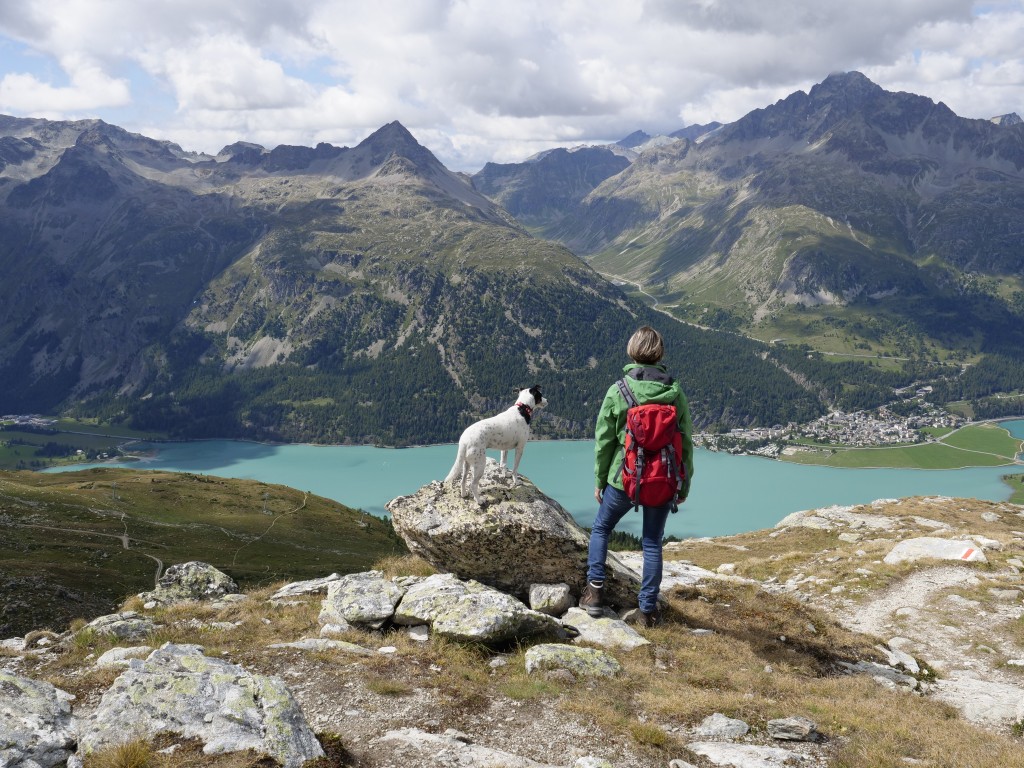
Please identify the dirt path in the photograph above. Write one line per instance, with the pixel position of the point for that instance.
(953, 635)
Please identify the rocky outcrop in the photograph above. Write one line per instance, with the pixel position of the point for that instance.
(180, 690)
(36, 725)
(523, 537)
(191, 581)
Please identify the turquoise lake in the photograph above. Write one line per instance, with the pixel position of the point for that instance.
(730, 494)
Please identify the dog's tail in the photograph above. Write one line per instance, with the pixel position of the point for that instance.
(460, 463)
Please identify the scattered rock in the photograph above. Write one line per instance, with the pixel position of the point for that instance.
(454, 535)
(366, 599)
(121, 657)
(718, 727)
(191, 581)
(37, 729)
(607, 633)
(470, 611)
(180, 690)
(793, 729)
(450, 749)
(552, 599)
(887, 676)
(130, 626)
(898, 658)
(582, 662)
(323, 644)
(310, 587)
(746, 755)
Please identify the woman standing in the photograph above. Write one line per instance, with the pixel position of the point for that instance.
(647, 382)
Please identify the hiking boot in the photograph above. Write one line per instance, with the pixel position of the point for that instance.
(643, 619)
(592, 600)
(649, 620)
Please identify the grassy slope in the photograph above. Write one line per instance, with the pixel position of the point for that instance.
(976, 445)
(61, 537)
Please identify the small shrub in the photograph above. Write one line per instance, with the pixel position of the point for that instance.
(134, 754)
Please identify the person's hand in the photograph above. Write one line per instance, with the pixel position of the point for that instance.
(598, 495)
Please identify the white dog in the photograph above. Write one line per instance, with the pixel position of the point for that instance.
(509, 429)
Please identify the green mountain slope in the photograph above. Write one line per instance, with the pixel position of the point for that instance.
(78, 544)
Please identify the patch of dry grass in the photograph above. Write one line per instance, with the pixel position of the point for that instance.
(186, 753)
(404, 565)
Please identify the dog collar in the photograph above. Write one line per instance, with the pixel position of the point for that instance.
(526, 411)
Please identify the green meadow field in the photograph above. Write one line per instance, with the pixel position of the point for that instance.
(975, 445)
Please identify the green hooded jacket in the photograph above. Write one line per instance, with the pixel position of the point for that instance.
(610, 432)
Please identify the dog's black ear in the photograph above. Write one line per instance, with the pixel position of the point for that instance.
(535, 391)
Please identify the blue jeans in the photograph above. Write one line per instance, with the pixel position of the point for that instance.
(614, 505)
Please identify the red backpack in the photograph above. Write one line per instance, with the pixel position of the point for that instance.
(652, 472)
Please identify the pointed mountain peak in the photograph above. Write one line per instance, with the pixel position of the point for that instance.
(635, 139)
(846, 84)
(1011, 119)
(394, 133)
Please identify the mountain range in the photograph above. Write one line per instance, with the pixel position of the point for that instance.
(370, 295)
(884, 212)
(362, 294)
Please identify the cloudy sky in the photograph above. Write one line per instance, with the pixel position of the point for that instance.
(479, 80)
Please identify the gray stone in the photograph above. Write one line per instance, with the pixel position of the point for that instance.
(582, 662)
(898, 658)
(929, 547)
(37, 729)
(310, 587)
(335, 629)
(450, 749)
(1005, 595)
(191, 581)
(365, 599)
(323, 644)
(121, 657)
(990, 517)
(592, 762)
(747, 755)
(881, 673)
(420, 633)
(983, 702)
(471, 612)
(16, 644)
(793, 729)
(552, 599)
(607, 633)
(180, 690)
(130, 626)
(718, 727)
(522, 537)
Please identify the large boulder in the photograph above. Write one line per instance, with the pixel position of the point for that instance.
(191, 581)
(522, 537)
(180, 690)
(468, 611)
(36, 726)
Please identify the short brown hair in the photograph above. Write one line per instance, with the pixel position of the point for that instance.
(646, 346)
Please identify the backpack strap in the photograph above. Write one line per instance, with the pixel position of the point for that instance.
(627, 393)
